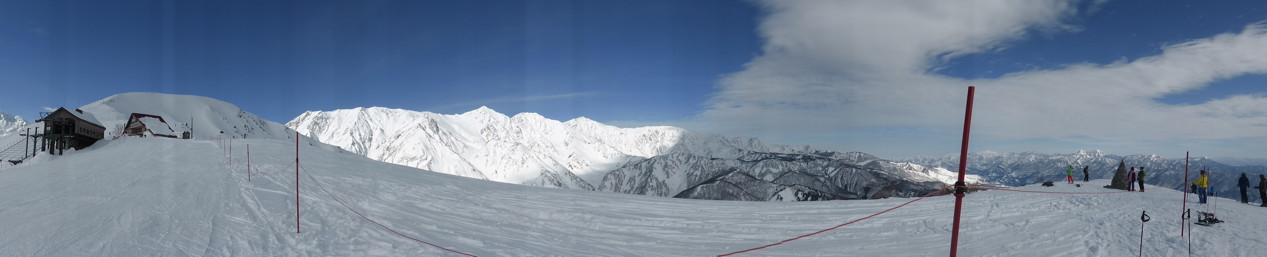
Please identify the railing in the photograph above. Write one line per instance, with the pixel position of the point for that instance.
(17, 152)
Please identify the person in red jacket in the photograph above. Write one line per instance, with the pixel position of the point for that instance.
(1130, 180)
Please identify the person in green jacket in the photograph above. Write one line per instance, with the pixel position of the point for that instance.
(1140, 178)
(1070, 171)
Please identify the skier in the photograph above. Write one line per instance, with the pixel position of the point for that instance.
(1262, 189)
(1070, 171)
(1141, 179)
(1086, 176)
(1130, 180)
(1243, 183)
(1202, 186)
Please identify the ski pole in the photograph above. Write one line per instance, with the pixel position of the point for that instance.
(1143, 219)
(1213, 202)
(1187, 216)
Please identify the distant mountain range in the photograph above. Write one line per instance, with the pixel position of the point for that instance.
(583, 154)
(10, 124)
(1015, 169)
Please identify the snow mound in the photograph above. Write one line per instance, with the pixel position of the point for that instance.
(207, 117)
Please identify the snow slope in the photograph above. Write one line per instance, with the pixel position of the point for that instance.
(209, 116)
(167, 197)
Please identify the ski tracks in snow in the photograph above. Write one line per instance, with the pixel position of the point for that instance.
(194, 202)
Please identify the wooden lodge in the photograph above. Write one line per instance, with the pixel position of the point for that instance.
(140, 124)
(64, 129)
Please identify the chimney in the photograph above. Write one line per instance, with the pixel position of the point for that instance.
(79, 111)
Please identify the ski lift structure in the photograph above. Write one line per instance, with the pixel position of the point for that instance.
(65, 129)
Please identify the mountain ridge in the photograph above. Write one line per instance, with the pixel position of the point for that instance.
(1016, 169)
(581, 153)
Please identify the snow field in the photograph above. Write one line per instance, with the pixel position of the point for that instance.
(166, 197)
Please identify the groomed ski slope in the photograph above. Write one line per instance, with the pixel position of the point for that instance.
(166, 197)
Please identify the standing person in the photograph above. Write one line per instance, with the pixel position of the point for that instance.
(1202, 186)
(1141, 179)
(1070, 171)
(1086, 176)
(1243, 183)
(1262, 189)
(1130, 180)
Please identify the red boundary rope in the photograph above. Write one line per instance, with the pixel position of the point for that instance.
(909, 202)
(1044, 192)
(336, 199)
(837, 226)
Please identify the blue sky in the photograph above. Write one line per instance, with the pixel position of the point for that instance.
(883, 77)
(610, 60)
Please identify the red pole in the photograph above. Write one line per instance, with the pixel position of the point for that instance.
(960, 187)
(1184, 188)
(296, 182)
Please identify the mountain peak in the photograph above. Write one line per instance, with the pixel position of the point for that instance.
(582, 121)
(484, 112)
(1094, 153)
(528, 116)
(9, 117)
(484, 109)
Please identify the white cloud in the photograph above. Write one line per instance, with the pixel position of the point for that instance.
(846, 69)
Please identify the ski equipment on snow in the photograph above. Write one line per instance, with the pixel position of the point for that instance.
(1187, 215)
(1143, 219)
(1207, 219)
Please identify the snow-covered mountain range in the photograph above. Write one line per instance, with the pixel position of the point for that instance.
(1017, 169)
(583, 154)
(11, 142)
(10, 124)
